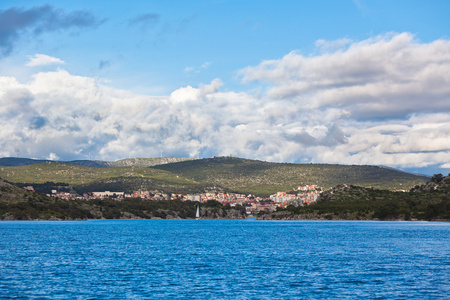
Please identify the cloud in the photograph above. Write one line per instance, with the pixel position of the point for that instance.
(204, 66)
(386, 104)
(329, 46)
(145, 20)
(104, 64)
(392, 75)
(361, 7)
(14, 22)
(37, 122)
(67, 114)
(43, 60)
(53, 156)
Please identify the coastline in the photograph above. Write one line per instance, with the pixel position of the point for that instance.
(54, 219)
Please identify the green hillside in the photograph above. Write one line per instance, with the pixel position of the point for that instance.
(20, 204)
(429, 202)
(75, 174)
(84, 179)
(258, 177)
(219, 174)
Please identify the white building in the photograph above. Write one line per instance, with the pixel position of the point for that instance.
(107, 194)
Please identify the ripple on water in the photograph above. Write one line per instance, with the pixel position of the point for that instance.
(234, 259)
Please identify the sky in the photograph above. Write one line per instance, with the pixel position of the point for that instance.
(340, 82)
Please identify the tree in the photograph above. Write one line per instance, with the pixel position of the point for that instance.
(437, 178)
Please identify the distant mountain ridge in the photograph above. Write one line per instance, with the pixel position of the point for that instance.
(129, 162)
(18, 161)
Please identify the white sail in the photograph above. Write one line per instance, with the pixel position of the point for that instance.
(197, 214)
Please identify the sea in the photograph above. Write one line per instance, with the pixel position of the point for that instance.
(224, 259)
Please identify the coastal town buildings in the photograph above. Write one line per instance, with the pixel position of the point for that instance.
(302, 195)
(108, 194)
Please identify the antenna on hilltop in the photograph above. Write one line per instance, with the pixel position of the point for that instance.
(18, 152)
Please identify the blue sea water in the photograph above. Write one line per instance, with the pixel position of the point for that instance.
(224, 259)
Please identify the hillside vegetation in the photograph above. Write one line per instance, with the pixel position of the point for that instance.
(84, 179)
(215, 174)
(347, 202)
(20, 204)
(264, 178)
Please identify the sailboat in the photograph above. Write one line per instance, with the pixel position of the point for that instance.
(197, 214)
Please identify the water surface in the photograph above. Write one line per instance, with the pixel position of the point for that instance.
(225, 259)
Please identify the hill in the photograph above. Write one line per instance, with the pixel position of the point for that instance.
(85, 179)
(148, 162)
(430, 202)
(11, 193)
(17, 161)
(129, 162)
(264, 178)
(20, 204)
(213, 174)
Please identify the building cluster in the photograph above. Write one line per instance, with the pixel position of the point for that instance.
(306, 195)
(303, 195)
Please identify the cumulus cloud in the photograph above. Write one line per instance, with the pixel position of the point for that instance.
(53, 156)
(43, 60)
(387, 76)
(61, 113)
(380, 101)
(14, 22)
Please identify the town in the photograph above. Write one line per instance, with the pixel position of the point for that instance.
(300, 196)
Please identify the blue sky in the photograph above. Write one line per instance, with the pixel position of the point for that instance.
(351, 82)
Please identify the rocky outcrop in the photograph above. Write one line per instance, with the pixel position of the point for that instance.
(221, 213)
(282, 215)
(5, 184)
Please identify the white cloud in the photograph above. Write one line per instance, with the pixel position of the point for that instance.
(381, 101)
(390, 75)
(204, 66)
(52, 156)
(328, 46)
(43, 60)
